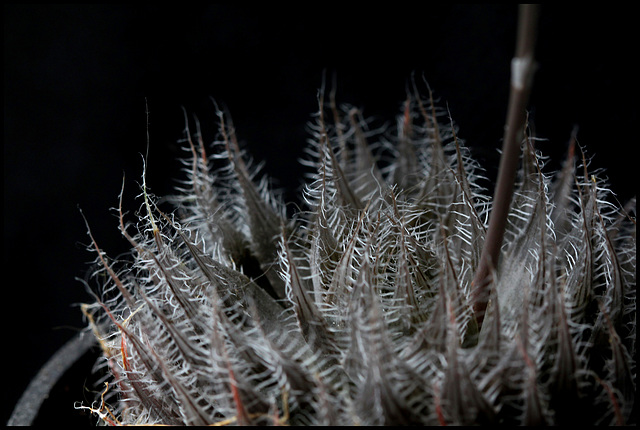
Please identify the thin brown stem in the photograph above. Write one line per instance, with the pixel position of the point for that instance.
(522, 68)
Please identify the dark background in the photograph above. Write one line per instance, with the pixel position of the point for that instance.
(76, 80)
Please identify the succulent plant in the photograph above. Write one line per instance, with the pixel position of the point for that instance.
(362, 306)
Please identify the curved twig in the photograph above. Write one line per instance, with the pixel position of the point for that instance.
(522, 68)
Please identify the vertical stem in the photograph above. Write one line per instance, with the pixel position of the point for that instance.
(522, 68)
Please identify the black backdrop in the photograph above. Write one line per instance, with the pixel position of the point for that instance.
(76, 80)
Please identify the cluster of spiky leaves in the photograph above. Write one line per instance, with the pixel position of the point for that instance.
(358, 309)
